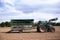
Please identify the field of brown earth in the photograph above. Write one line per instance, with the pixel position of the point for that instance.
(29, 35)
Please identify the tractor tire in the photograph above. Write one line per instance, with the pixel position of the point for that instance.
(51, 29)
(43, 29)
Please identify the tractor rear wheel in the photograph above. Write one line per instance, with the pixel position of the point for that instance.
(43, 29)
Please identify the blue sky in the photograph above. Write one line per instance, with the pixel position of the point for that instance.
(29, 9)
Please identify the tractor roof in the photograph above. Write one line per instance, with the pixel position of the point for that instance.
(22, 20)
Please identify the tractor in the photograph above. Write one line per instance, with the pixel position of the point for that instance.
(45, 26)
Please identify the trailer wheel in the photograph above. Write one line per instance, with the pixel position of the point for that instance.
(20, 30)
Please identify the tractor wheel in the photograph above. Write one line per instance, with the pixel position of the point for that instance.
(43, 29)
(52, 29)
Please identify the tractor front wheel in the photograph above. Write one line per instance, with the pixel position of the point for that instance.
(51, 29)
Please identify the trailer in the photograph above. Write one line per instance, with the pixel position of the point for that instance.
(21, 24)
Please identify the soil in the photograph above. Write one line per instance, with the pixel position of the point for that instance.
(29, 34)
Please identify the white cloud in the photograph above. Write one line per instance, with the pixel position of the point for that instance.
(8, 1)
(37, 2)
(37, 5)
(10, 12)
(35, 15)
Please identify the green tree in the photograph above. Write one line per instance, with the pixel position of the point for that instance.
(2, 24)
(7, 24)
(58, 24)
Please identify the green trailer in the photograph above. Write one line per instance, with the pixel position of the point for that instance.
(21, 24)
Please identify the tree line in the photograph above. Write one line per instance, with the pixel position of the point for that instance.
(8, 24)
(5, 24)
(56, 24)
